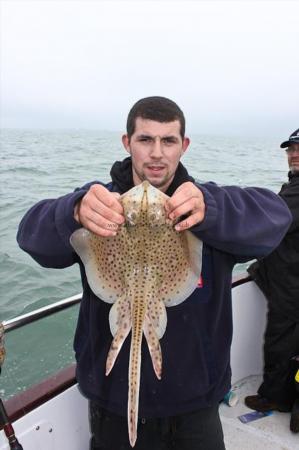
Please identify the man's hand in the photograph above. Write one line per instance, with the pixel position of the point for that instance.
(188, 201)
(100, 211)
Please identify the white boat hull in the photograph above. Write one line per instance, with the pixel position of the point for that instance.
(59, 424)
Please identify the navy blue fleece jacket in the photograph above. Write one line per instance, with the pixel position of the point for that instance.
(240, 224)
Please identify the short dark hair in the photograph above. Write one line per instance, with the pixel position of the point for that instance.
(160, 109)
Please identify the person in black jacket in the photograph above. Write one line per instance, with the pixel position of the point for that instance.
(277, 275)
(180, 411)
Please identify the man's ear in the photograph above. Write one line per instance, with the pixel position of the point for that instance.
(126, 142)
(186, 142)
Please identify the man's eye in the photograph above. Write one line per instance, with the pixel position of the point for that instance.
(168, 141)
(145, 139)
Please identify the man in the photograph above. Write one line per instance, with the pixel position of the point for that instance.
(180, 411)
(278, 277)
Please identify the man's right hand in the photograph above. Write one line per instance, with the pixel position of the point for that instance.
(100, 211)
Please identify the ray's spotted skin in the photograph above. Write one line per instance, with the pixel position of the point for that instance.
(148, 265)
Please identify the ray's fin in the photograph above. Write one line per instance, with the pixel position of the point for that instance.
(183, 269)
(120, 326)
(153, 346)
(157, 316)
(105, 273)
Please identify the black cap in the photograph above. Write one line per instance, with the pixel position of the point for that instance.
(293, 139)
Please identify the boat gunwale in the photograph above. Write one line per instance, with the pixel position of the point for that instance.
(24, 402)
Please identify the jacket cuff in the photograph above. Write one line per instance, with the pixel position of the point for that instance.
(211, 211)
(65, 221)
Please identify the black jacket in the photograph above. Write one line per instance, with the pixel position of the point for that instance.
(278, 274)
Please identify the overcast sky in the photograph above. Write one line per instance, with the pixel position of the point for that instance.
(233, 66)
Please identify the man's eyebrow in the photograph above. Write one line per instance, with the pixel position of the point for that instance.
(167, 136)
(145, 136)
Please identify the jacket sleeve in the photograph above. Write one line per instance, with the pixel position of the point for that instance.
(45, 230)
(290, 193)
(245, 222)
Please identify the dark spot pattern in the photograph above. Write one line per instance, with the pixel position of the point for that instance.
(143, 269)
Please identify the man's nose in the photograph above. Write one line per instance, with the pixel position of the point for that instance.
(156, 150)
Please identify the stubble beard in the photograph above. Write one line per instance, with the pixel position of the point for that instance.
(294, 169)
(294, 166)
(157, 183)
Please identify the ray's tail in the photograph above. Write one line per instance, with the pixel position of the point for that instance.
(138, 315)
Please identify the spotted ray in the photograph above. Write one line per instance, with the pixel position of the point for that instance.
(147, 266)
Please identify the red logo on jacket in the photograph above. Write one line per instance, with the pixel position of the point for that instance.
(200, 282)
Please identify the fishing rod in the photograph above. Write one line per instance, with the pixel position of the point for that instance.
(4, 420)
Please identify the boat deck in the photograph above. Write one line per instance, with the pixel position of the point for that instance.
(270, 432)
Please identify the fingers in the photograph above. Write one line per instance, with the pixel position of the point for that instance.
(99, 195)
(190, 221)
(187, 201)
(100, 211)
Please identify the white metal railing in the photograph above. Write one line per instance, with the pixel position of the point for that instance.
(39, 313)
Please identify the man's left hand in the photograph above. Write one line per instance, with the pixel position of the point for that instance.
(187, 200)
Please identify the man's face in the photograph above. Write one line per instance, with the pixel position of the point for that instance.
(293, 157)
(156, 149)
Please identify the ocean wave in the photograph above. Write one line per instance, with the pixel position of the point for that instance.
(24, 170)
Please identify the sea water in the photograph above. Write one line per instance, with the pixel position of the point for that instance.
(39, 164)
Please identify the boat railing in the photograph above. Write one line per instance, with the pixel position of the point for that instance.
(23, 402)
(40, 313)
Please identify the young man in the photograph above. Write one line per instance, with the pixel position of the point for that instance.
(278, 277)
(180, 411)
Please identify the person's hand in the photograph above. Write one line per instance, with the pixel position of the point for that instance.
(188, 201)
(100, 211)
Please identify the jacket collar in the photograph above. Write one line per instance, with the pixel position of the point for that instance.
(122, 176)
(292, 175)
